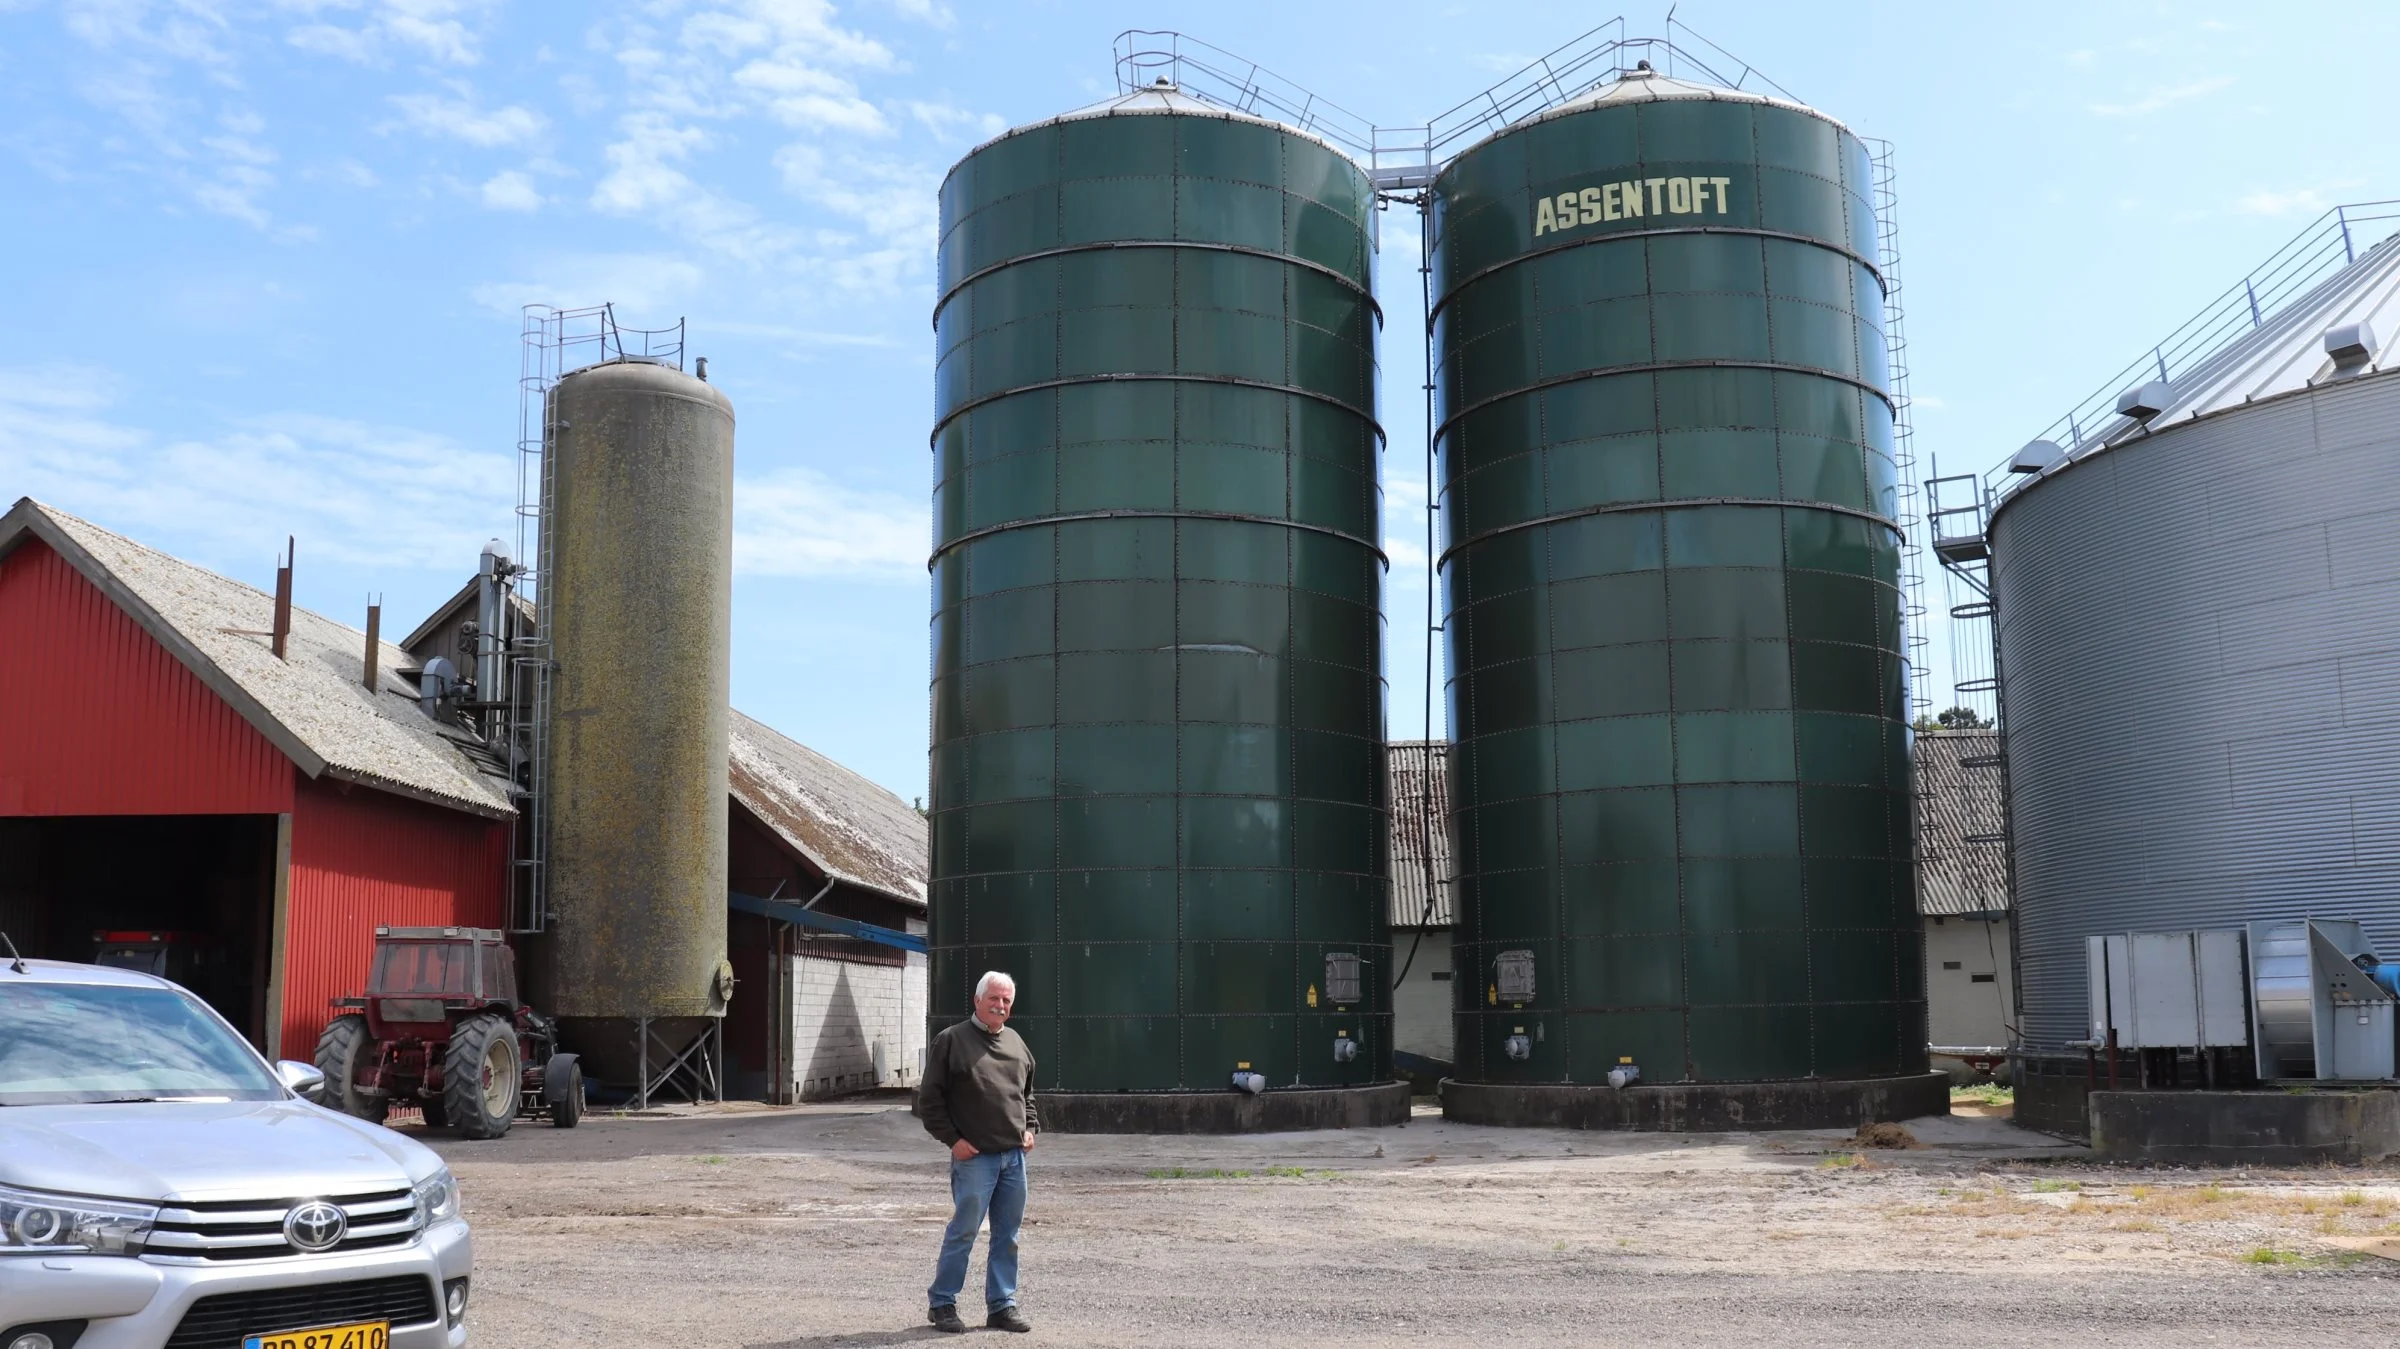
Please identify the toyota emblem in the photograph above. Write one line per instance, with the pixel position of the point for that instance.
(315, 1226)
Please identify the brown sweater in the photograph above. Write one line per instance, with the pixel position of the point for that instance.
(978, 1086)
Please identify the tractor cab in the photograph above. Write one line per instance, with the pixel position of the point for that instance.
(424, 976)
(440, 1028)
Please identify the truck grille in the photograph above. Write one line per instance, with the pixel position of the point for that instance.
(220, 1321)
(252, 1229)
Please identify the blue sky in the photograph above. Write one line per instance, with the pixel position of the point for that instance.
(264, 258)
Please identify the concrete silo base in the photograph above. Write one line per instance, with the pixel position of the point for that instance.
(2246, 1128)
(1222, 1112)
(1698, 1107)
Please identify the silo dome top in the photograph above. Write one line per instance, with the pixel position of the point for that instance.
(1644, 85)
(1163, 96)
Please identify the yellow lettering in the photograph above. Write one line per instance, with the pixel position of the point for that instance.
(1679, 195)
(1631, 195)
(1654, 185)
(1699, 194)
(1566, 210)
(1721, 182)
(1589, 199)
(1608, 201)
(1543, 219)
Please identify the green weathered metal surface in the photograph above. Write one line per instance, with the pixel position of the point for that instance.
(1157, 638)
(640, 580)
(1681, 769)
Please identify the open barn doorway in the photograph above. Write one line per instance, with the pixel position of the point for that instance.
(198, 889)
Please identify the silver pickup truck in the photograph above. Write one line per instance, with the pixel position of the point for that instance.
(164, 1187)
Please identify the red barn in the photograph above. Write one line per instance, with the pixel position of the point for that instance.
(162, 770)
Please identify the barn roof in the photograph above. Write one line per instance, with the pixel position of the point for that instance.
(1419, 781)
(313, 705)
(1962, 866)
(847, 827)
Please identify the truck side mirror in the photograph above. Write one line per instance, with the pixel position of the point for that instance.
(303, 1079)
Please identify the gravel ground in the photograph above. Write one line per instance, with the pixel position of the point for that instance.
(776, 1229)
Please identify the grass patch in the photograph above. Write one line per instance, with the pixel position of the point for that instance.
(1844, 1161)
(1984, 1093)
(712, 1161)
(2056, 1186)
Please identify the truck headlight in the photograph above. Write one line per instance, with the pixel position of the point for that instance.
(437, 1198)
(35, 1223)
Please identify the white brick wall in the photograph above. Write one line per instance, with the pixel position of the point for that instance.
(842, 1010)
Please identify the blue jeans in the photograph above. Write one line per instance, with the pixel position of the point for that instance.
(990, 1183)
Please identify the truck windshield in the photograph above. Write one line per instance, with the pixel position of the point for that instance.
(69, 1044)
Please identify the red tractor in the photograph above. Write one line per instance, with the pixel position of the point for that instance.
(440, 1028)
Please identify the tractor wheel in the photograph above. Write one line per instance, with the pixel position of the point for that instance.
(481, 1078)
(343, 1053)
(431, 1108)
(562, 1090)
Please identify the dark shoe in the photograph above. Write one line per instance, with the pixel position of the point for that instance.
(945, 1319)
(1007, 1319)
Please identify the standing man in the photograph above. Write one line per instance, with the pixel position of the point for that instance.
(977, 1096)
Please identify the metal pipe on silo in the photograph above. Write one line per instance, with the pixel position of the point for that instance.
(638, 516)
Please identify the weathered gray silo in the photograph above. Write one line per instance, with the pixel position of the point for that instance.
(2197, 617)
(638, 581)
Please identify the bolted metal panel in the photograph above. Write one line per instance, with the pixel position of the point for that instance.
(97, 718)
(1680, 777)
(639, 586)
(1157, 731)
(2199, 637)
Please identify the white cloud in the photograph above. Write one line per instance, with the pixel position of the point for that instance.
(437, 29)
(2158, 100)
(956, 123)
(460, 119)
(356, 492)
(798, 522)
(638, 283)
(641, 174)
(2298, 201)
(511, 191)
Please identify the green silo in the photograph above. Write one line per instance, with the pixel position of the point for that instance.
(1157, 638)
(1681, 775)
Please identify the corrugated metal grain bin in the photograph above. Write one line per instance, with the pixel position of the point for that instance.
(1157, 643)
(1681, 775)
(2198, 627)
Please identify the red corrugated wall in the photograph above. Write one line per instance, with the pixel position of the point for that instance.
(362, 857)
(96, 718)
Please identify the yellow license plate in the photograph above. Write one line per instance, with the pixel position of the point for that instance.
(359, 1335)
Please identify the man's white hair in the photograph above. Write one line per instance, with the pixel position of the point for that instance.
(991, 977)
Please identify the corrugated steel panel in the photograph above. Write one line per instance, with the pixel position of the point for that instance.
(2200, 636)
(1419, 776)
(362, 857)
(97, 718)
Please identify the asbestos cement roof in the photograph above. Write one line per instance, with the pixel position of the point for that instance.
(1962, 866)
(1419, 780)
(313, 705)
(846, 826)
